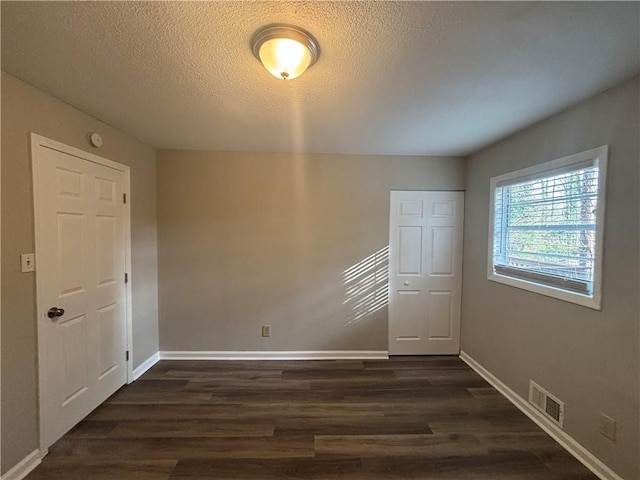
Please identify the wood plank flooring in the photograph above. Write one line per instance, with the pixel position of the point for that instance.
(403, 418)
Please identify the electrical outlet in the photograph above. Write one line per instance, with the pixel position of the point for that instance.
(27, 262)
(266, 330)
(607, 427)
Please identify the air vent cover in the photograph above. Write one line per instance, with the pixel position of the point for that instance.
(550, 406)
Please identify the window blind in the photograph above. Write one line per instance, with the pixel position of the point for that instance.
(545, 228)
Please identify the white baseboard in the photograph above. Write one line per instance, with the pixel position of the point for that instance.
(278, 355)
(563, 438)
(24, 467)
(146, 365)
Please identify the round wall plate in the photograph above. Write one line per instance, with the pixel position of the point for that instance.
(95, 139)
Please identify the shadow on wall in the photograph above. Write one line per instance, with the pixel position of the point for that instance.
(366, 285)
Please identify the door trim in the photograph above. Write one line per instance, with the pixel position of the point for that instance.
(38, 142)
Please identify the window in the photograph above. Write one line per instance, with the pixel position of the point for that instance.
(546, 228)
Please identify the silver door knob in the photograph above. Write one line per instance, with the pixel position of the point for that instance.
(406, 284)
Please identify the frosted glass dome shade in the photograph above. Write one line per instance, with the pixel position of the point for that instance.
(285, 51)
(285, 58)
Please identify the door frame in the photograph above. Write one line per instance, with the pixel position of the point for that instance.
(39, 142)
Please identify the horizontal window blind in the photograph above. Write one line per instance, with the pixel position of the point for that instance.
(545, 228)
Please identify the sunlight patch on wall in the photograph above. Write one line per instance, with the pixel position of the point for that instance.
(367, 285)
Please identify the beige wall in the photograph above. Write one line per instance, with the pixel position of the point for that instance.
(24, 110)
(246, 239)
(587, 358)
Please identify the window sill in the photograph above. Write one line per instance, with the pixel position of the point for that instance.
(583, 300)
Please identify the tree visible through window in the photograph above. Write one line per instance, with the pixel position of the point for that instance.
(546, 224)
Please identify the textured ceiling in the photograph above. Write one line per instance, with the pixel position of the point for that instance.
(415, 78)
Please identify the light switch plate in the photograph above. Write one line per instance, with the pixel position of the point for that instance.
(28, 262)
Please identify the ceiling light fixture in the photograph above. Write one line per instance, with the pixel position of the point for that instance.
(284, 50)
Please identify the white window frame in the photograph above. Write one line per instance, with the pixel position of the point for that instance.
(598, 156)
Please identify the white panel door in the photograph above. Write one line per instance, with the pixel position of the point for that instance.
(81, 289)
(425, 272)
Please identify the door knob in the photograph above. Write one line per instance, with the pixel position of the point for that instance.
(55, 312)
(406, 284)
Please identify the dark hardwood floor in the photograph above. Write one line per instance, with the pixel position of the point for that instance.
(402, 418)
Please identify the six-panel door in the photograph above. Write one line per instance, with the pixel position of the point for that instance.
(425, 270)
(81, 265)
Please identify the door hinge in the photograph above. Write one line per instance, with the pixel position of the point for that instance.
(124, 198)
(126, 278)
(127, 356)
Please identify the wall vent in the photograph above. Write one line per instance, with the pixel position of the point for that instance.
(546, 403)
